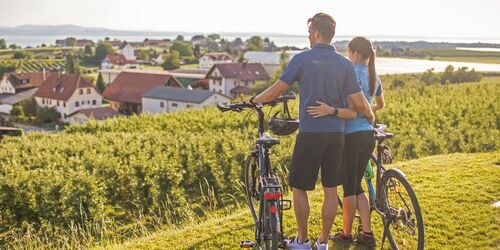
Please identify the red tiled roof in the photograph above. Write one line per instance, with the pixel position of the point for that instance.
(201, 83)
(130, 86)
(219, 56)
(241, 90)
(32, 80)
(100, 113)
(241, 71)
(119, 59)
(62, 86)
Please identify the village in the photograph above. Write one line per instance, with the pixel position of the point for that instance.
(150, 77)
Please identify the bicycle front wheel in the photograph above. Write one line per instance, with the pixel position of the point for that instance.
(402, 213)
(252, 185)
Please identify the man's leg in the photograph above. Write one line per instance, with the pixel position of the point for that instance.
(328, 212)
(301, 207)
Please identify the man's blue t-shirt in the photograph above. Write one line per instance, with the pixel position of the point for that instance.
(323, 75)
(361, 123)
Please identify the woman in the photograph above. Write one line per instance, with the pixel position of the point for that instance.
(359, 142)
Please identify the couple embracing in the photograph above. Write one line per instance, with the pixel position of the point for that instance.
(335, 130)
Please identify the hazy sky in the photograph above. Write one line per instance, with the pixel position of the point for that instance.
(437, 18)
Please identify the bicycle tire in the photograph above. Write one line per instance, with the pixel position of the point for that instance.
(400, 177)
(251, 164)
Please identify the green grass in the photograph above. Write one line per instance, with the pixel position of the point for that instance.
(152, 67)
(455, 192)
(190, 66)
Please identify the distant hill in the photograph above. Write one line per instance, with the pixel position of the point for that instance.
(75, 30)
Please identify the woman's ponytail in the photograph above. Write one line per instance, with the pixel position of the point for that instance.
(372, 76)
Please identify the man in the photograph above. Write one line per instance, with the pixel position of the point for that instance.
(324, 76)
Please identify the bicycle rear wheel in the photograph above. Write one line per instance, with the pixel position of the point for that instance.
(402, 213)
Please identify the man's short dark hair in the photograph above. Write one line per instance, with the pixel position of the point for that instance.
(325, 24)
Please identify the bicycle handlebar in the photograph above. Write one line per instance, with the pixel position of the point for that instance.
(238, 107)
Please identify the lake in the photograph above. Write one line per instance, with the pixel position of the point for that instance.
(386, 65)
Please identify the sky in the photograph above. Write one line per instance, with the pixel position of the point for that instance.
(422, 18)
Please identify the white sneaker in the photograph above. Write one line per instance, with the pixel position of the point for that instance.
(320, 246)
(293, 243)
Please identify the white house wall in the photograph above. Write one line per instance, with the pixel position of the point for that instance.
(68, 107)
(6, 87)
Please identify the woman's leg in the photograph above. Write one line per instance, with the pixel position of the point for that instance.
(362, 202)
(364, 212)
(349, 200)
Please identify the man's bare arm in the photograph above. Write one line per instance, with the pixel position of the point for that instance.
(271, 93)
(361, 104)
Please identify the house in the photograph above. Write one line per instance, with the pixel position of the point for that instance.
(270, 60)
(8, 102)
(157, 60)
(118, 62)
(187, 76)
(18, 82)
(162, 99)
(208, 60)
(85, 115)
(84, 42)
(166, 43)
(115, 43)
(127, 51)
(125, 92)
(233, 79)
(67, 93)
(78, 42)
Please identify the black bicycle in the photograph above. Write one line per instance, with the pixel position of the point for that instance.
(262, 186)
(393, 199)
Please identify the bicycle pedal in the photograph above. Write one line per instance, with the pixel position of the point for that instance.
(286, 204)
(247, 244)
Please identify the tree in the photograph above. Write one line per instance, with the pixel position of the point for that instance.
(87, 50)
(44, 45)
(214, 37)
(184, 49)
(171, 61)
(179, 38)
(71, 41)
(22, 55)
(3, 44)
(72, 66)
(254, 43)
(100, 83)
(197, 51)
(102, 50)
(142, 55)
(13, 46)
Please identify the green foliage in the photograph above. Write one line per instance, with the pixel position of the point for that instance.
(9, 66)
(184, 48)
(452, 220)
(88, 50)
(71, 41)
(100, 83)
(136, 164)
(255, 43)
(21, 54)
(3, 44)
(171, 61)
(72, 66)
(101, 51)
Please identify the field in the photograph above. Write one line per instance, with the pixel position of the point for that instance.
(107, 183)
(455, 216)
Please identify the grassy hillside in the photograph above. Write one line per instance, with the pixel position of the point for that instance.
(455, 192)
(126, 177)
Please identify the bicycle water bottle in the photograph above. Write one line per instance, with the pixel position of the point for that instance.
(369, 171)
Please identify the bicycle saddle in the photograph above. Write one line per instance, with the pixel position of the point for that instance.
(380, 134)
(267, 140)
